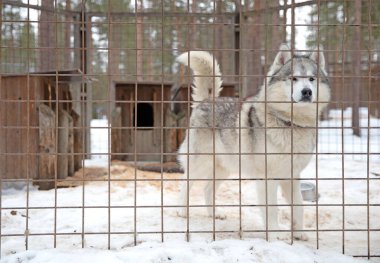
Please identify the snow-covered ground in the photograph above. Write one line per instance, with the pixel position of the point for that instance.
(360, 192)
(354, 148)
(256, 250)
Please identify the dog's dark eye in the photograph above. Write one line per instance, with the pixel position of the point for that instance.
(293, 78)
(311, 79)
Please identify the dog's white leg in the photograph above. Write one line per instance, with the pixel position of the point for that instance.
(183, 198)
(208, 191)
(269, 197)
(220, 173)
(297, 209)
(197, 170)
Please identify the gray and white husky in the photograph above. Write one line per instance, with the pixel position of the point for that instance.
(270, 136)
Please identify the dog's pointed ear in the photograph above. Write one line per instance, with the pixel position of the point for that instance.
(282, 56)
(318, 57)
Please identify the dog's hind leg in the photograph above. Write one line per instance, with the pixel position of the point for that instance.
(197, 170)
(220, 173)
(297, 209)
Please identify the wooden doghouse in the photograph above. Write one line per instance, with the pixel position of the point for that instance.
(40, 116)
(144, 128)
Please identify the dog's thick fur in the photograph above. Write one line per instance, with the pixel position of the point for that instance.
(274, 130)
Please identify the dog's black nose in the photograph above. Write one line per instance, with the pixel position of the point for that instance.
(306, 94)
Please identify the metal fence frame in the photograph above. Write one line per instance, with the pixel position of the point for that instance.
(84, 17)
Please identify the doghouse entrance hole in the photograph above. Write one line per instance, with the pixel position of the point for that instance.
(144, 116)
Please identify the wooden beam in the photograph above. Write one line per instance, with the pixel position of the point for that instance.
(154, 13)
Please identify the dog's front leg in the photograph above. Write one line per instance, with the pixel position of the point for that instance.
(297, 208)
(267, 196)
(184, 194)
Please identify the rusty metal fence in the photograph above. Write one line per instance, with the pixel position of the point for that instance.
(93, 108)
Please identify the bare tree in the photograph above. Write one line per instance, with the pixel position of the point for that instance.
(139, 39)
(256, 46)
(68, 22)
(277, 33)
(217, 43)
(356, 67)
(1, 29)
(251, 57)
(193, 28)
(47, 36)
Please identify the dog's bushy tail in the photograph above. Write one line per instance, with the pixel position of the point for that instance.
(207, 75)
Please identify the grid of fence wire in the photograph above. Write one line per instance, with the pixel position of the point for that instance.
(93, 108)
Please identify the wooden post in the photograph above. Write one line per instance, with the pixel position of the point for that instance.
(170, 138)
(70, 148)
(47, 147)
(63, 144)
(116, 138)
(78, 141)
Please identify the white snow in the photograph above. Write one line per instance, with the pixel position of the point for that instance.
(360, 191)
(99, 134)
(256, 250)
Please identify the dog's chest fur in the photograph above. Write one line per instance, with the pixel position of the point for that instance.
(277, 143)
(284, 144)
(290, 139)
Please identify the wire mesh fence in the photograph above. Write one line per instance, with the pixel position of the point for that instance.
(94, 107)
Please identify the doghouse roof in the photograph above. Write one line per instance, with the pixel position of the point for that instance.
(159, 83)
(66, 76)
(142, 83)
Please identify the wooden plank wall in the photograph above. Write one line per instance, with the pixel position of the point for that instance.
(18, 114)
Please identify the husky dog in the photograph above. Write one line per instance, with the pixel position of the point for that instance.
(271, 135)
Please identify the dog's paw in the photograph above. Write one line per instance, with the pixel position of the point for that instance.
(300, 236)
(182, 213)
(220, 217)
(282, 236)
